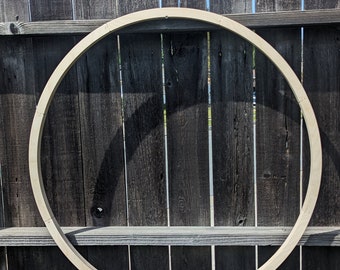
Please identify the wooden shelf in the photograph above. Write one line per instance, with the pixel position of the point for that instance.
(163, 236)
(257, 20)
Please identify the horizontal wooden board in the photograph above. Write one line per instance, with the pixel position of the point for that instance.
(176, 236)
(258, 20)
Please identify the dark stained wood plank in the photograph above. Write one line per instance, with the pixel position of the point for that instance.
(292, 262)
(144, 135)
(235, 258)
(232, 129)
(154, 258)
(231, 6)
(39, 258)
(321, 81)
(187, 115)
(102, 134)
(321, 258)
(232, 135)
(108, 257)
(169, 3)
(102, 145)
(277, 5)
(42, 10)
(321, 4)
(187, 110)
(144, 131)
(61, 145)
(199, 4)
(126, 7)
(278, 138)
(184, 258)
(95, 9)
(17, 102)
(14, 10)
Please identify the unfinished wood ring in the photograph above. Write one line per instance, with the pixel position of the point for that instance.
(180, 13)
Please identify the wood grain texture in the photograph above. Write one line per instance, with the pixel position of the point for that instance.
(184, 258)
(96, 9)
(27, 258)
(257, 20)
(230, 236)
(144, 136)
(235, 257)
(321, 258)
(231, 6)
(277, 123)
(102, 134)
(277, 5)
(17, 101)
(126, 7)
(14, 10)
(169, 3)
(61, 158)
(186, 88)
(108, 257)
(321, 80)
(143, 115)
(292, 262)
(198, 4)
(51, 10)
(320, 4)
(232, 95)
(232, 134)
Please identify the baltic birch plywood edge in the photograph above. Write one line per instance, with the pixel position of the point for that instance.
(181, 13)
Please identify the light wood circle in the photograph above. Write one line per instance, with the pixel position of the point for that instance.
(180, 13)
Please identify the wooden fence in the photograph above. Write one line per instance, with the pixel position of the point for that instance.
(169, 126)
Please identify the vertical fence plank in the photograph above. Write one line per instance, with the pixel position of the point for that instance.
(51, 10)
(232, 134)
(231, 6)
(95, 9)
(102, 141)
(186, 89)
(17, 103)
(278, 123)
(126, 7)
(169, 3)
(102, 135)
(11, 11)
(143, 118)
(321, 81)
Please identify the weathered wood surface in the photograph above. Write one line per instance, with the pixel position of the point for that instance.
(277, 133)
(144, 138)
(232, 136)
(11, 11)
(321, 80)
(257, 20)
(100, 106)
(155, 235)
(187, 96)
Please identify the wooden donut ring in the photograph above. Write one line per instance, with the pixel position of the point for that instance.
(180, 13)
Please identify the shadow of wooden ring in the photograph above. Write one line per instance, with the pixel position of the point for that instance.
(180, 13)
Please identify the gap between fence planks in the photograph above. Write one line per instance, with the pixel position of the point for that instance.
(265, 19)
(175, 236)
